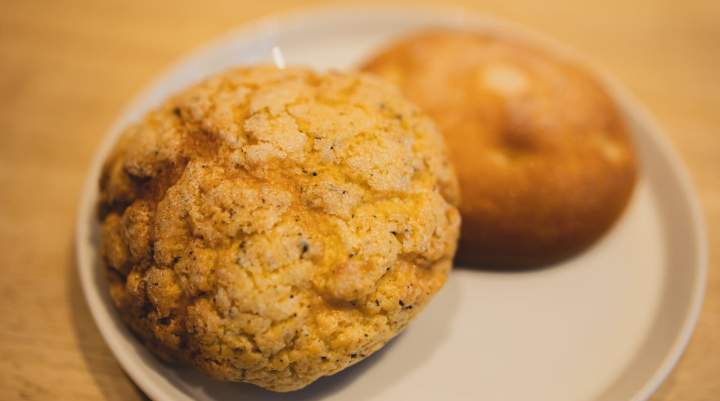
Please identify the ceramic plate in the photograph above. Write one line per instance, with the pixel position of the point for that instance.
(606, 325)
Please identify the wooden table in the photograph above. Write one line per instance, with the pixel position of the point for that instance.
(67, 68)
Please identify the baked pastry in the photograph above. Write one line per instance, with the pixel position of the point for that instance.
(275, 226)
(543, 156)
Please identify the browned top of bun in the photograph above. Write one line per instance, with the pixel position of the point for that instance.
(543, 156)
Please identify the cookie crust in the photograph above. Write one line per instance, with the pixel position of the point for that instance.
(275, 226)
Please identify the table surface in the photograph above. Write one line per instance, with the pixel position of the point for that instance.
(68, 67)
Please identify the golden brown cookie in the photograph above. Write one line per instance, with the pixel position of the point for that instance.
(275, 226)
(543, 156)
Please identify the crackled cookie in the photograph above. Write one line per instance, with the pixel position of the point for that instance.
(275, 226)
(543, 156)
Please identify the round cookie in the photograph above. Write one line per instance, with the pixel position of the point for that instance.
(275, 226)
(544, 159)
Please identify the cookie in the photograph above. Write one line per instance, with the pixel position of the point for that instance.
(275, 226)
(544, 159)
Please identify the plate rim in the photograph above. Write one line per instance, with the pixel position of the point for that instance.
(465, 17)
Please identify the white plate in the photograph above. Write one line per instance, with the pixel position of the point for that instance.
(607, 325)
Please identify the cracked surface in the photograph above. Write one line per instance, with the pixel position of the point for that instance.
(275, 226)
(544, 159)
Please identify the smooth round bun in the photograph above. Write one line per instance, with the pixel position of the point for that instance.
(543, 156)
(275, 226)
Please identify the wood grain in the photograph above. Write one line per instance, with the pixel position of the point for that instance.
(67, 68)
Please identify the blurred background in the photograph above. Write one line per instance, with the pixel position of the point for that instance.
(68, 67)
